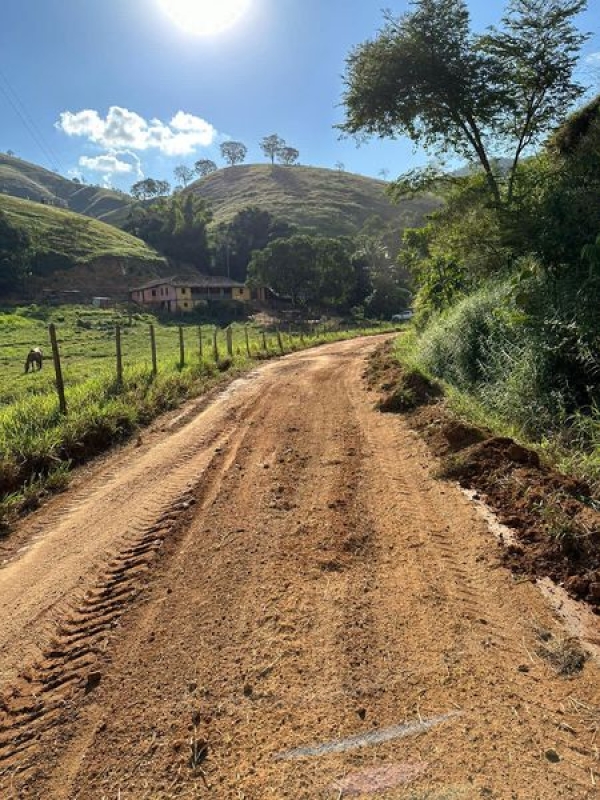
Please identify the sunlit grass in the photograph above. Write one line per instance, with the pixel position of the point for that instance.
(38, 444)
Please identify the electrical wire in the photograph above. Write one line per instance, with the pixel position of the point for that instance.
(30, 125)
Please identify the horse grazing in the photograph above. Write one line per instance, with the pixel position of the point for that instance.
(34, 359)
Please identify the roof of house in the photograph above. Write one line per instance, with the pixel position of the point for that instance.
(198, 282)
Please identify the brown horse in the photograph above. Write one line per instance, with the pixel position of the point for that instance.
(34, 359)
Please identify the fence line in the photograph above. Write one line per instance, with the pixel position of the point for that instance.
(285, 342)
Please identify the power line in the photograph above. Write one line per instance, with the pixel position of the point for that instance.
(21, 111)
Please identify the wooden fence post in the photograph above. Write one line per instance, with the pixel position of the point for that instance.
(247, 342)
(60, 386)
(229, 333)
(264, 338)
(280, 342)
(181, 349)
(215, 346)
(200, 348)
(119, 355)
(153, 350)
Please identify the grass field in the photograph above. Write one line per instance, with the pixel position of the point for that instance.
(78, 238)
(38, 444)
(87, 346)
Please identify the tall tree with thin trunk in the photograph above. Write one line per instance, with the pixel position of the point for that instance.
(429, 77)
(184, 174)
(271, 145)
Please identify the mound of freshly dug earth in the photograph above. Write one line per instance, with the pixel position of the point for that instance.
(555, 518)
(403, 390)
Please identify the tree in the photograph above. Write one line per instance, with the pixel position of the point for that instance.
(183, 174)
(251, 229)
(176, 226)
(289, 267)
(162, 188)
(272, 145)
(288, 155)
(148, 188)
(233, 152)
(308, 269)
(427, 76)
(340, 166)
(337, 276)
(204, 167)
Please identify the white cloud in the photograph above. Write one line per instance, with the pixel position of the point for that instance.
(106, 163)
(113, 163)
(593, 59)
(124, 128)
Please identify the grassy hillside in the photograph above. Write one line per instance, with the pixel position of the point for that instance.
(76, 252)
(76, 237)
(31, 182)
(321, 200)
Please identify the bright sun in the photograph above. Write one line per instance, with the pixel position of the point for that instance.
(205, 17)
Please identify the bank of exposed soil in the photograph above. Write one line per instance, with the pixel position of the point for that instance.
(555, 518)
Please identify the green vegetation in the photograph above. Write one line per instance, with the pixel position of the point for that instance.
(318, 201)
(177, 226)
(251, 229)
(36, 240)
(22, 179)
(508, 270)
(427, 75)
(308, 269)
(70, 237)
(38, 444)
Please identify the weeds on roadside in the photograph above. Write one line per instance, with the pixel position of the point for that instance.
(563, 653)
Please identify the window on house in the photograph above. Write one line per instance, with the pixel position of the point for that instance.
(153, 292)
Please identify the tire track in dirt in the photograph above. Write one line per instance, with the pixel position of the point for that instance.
(321, 587)
(48, 689)
(484, 627)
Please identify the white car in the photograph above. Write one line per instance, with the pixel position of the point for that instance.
(403, 315)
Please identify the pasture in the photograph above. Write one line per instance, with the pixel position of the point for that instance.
(87, 346)
(38, 444)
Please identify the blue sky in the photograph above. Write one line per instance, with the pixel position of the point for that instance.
(175, 96)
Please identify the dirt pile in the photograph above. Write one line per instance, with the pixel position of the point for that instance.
(555, 518)
(402, 390)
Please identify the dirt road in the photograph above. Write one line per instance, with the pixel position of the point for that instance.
(272, 597)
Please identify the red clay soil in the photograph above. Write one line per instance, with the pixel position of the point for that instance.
(555, 519)
(272, 596)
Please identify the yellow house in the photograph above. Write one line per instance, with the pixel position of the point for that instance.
(181, 294)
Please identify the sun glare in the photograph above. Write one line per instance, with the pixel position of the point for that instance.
(205, 17)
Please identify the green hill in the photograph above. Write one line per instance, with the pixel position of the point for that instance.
(22, 179)
(320, 200)
(75, 252)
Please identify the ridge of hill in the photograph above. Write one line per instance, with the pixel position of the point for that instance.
(315, 199)
(319, 200)
(29, 181)
(76, 252)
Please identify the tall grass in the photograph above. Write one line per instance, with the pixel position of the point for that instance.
(521, 372)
